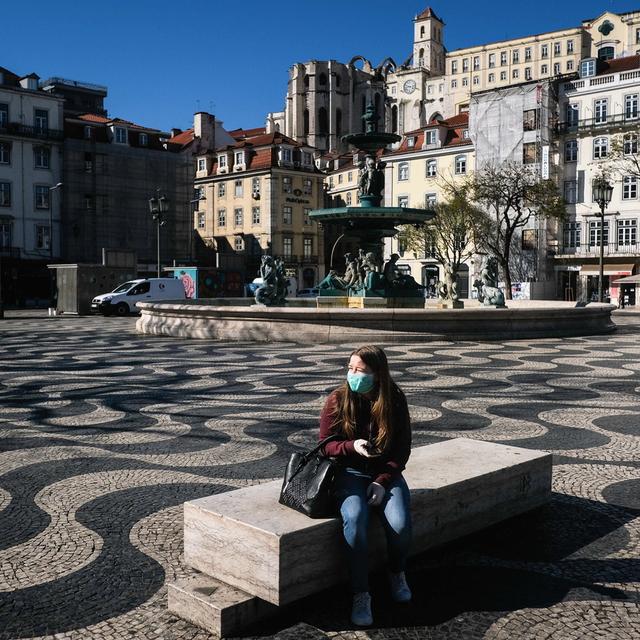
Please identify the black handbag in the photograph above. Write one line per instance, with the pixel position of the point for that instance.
(308, 482)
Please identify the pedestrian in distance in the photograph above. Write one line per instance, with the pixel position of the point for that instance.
(369, 413)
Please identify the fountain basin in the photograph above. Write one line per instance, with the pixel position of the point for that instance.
(522, 319)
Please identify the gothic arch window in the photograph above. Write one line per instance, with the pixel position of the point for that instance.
(394, 119)
(322, 120)
(422, 32)
(305, 122)
(338, 122)
(421, 56)
(322, 79)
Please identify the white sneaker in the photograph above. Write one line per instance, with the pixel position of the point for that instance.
(361, 612)
(400, 591)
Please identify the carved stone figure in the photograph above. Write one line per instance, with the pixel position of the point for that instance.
(371, 182)
(491, 295)
(394, 278)
(273, 290)
(448, 288)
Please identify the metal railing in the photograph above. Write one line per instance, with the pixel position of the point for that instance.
(619, 119)
(18, 129)
(611, 248)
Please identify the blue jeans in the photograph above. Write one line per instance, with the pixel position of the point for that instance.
(394, 513)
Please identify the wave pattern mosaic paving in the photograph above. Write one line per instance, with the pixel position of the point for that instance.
(104, 434)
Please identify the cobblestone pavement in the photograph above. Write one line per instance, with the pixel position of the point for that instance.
(104, 434)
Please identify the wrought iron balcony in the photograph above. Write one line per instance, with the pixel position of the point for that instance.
(41, 133)
(612, 120)
(593, 250)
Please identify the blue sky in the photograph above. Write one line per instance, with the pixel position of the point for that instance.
(163, 60)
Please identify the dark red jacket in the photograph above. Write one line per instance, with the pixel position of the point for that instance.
(392, 462)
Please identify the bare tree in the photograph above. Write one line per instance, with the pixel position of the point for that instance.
(623, 158)
(510, 195)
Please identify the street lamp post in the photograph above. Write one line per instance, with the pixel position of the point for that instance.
(601, 192)
(158, 206)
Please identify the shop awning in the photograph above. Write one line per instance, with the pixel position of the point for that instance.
(609, 269)
(628, 280)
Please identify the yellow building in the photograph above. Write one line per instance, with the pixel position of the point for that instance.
(417, 174)
(258, 192)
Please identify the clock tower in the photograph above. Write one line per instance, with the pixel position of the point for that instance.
(428, 44)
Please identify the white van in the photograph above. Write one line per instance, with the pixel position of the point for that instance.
(122, 300)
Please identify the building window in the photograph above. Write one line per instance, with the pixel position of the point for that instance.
(89, 202)
(530, 120)
(630, 144)
(238, 244)
(238, 157)
(41, 119)
(238, 217)
(465, 64)
(491, 77)
(572, 234)
(5, 152)
(587, 68)
(143, 139)
(42, 236)
(503, 58)
(571, 191)
(432, 168)
(515, 74)
(431, 136)
(285, 154)
(222, 190)
(556, 68)
(492, 60)
(348, 198)
(306, 219)
(527, 53)
(41, 196)
(255, 186)
(287, 247)
(88, 163)
(454, 66)
(287, 215)
(202, 164)
(4, 115)
(88, 133)
(627, 232)
(476, 63)
(631, 106)
(476, 80)
(544, 69)
(528, 152)
(306, 158)
(606, 53)
(403, 201)
(461, 165)
(637, 36)
(573, 115)
(121, 135)
(403, 171)
(594, 233)
(454, 84)
(571, 151)
(629, 188)
(350, 176)
(238, 189)
(222, 217)
(569, 46)
(465, 134)
(600, 148)
(557, 48)
(527, 73)
(430, 200)
(544, 51)
(255, 215)
(515, 56)
(5, 235)
(307, 186)
(5, 194)
(411, 141)
(222, 162)
(307, 247)
(503, 75)
(600, 108)
(287, 184)
(201, 219)
(569, 65)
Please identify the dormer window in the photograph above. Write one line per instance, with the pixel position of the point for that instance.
(202, 164)
(143, 139)
(238, 157)
(411, 142)
(588, 68)
(120, 135)
(465, 134)
(306, 158)
(222, 161)
(430, 137)
(285, 155)
(88, 133)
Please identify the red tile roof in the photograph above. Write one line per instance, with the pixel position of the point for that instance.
(427, 13)
(93, 117)
(184, 137)
(246, 133)
(630, 63)
(454, 126)
(262, 140)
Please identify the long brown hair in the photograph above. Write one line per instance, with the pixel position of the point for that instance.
(347, 400)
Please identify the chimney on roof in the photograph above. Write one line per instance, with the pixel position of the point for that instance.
(204, 129)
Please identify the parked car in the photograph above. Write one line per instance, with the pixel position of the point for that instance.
(308, 293)
(122, 300)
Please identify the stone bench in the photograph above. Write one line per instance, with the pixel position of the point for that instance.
(253, 551)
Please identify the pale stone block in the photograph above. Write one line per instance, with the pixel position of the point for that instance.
(248, 540)
(215, 606)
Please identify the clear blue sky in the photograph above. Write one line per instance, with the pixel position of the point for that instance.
(162, 60)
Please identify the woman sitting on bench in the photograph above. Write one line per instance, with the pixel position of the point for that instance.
(370, 412)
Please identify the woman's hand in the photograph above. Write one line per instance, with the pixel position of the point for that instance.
(362, 448)
(375, 493)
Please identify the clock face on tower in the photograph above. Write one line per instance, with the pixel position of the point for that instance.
(409, 86)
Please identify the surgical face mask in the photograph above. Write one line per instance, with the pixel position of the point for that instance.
(360, 382)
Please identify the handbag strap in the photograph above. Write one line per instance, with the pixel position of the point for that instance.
(318, 447)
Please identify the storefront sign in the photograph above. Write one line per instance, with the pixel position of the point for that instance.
(545, 162)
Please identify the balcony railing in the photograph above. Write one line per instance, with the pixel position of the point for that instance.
(610, 249)
(41, 133)
(617, 119)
